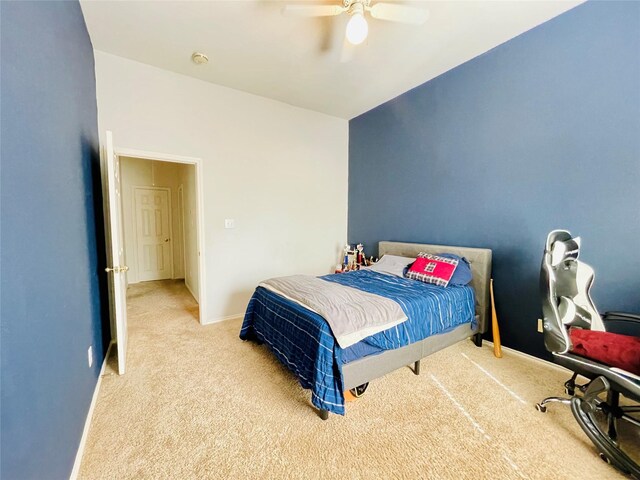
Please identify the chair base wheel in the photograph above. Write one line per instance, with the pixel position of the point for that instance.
(359, 390)
(541, 408)
(604, 458)
(570, 386)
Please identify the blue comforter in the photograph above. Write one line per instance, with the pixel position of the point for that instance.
(302, 340)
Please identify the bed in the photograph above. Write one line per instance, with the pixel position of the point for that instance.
(303, 341)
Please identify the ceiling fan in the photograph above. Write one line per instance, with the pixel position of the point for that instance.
(357, 28)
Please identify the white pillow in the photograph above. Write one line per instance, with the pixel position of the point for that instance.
(391, 265)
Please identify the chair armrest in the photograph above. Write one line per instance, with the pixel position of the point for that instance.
(622, 323)
(621, 317)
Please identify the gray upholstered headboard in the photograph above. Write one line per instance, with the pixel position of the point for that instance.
(479, 258)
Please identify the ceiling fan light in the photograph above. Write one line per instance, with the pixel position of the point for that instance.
(357, 29)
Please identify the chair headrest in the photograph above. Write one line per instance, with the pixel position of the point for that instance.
(563, 250)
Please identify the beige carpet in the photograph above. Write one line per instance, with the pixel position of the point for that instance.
(197, 402)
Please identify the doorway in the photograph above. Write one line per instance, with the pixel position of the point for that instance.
(161, 217)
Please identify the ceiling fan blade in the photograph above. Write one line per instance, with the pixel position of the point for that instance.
(312, 10)
(399, 13)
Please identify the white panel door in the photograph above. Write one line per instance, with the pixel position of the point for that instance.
(153, 233)
(115, 252)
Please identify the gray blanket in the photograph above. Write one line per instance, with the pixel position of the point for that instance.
(351, 313)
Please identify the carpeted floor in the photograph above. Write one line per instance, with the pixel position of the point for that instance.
(199, 403)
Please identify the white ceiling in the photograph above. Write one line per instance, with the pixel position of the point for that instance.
(254, 48)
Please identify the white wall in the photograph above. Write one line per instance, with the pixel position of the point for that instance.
(280, 171)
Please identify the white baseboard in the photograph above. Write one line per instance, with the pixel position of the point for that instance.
(531, 357)
(87, 423)
(224, 319)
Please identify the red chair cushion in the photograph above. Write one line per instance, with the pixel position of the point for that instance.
(613, 349)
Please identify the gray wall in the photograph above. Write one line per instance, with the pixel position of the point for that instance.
(52, 254)
(542, 132)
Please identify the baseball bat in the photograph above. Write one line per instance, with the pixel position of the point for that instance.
(497, 347)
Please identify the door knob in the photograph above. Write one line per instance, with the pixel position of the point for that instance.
(166, 240)
(117, 269)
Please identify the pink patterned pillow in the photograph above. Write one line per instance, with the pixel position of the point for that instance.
(430, 268)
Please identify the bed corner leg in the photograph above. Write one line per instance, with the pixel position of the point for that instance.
(324, 414)
(477, 339)
(416, 368)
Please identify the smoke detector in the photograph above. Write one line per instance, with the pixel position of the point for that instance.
(199, 58)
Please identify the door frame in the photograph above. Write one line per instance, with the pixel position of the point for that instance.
(135, 222)
(182, 232)
(197, 162)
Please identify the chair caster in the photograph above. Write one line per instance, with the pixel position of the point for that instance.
(542, 406)
(359, 390)
(570, 386)
(604, 458)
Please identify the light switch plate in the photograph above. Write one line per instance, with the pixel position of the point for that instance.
(229, 223)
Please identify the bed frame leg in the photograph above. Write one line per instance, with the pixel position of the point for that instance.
(416, 368)
(324, 414)
(477, 339)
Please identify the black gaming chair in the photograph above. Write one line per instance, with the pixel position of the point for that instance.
(566, 304)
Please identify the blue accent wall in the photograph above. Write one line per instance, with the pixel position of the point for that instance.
(52, 252)
(542, 132)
